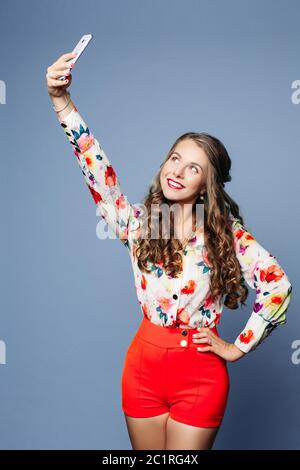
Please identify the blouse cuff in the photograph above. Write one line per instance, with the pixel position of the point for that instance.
(256, 329)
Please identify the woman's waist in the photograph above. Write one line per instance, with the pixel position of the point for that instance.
(169, 336)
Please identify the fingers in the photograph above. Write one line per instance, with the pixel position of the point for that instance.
(204, 348)
(61, 65)
(202, 340)
(54, 83)
(54, 74)
(67, 56)
(204, 334)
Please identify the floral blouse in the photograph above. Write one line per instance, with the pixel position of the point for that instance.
(186, 300)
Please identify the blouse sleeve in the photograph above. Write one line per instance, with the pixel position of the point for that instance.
(263, 273)
(100, 177)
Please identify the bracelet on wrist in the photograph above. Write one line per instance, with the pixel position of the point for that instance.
(68, 102)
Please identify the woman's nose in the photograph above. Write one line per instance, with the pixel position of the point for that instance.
(178, 173)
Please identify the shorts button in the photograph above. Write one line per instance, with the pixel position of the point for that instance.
(183, 342)
(184, 332)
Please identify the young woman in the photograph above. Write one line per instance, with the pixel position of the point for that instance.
(175, 381)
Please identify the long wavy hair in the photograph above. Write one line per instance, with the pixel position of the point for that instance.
(226, 278)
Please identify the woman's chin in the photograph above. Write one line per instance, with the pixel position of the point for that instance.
(173, 195)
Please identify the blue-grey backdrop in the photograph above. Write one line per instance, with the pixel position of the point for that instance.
(68, 306)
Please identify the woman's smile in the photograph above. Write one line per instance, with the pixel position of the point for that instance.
(173, 184)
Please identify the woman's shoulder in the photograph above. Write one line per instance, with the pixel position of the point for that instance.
(235, 221)
(238, 225)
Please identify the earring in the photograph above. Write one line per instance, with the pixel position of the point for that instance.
(202, 197)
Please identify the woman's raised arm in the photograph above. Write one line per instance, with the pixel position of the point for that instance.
(98, 172)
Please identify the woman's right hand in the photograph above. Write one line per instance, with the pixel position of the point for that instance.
(59, 68)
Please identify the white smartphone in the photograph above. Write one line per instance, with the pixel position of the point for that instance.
(79, 48)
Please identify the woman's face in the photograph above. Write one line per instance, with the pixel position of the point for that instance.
(188, 166)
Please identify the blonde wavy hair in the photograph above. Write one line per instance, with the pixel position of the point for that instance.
(226, 278)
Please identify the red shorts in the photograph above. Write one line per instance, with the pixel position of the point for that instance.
(164, 372)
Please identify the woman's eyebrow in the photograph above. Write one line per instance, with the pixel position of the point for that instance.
(194, 163)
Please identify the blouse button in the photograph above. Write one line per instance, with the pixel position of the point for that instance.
(183, 342)
(175, 296)
(184, 332)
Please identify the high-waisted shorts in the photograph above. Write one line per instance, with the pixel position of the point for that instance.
(163, 372)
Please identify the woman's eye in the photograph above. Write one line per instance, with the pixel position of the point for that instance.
(174, 157)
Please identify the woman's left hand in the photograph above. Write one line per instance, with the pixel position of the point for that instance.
(229, 351)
